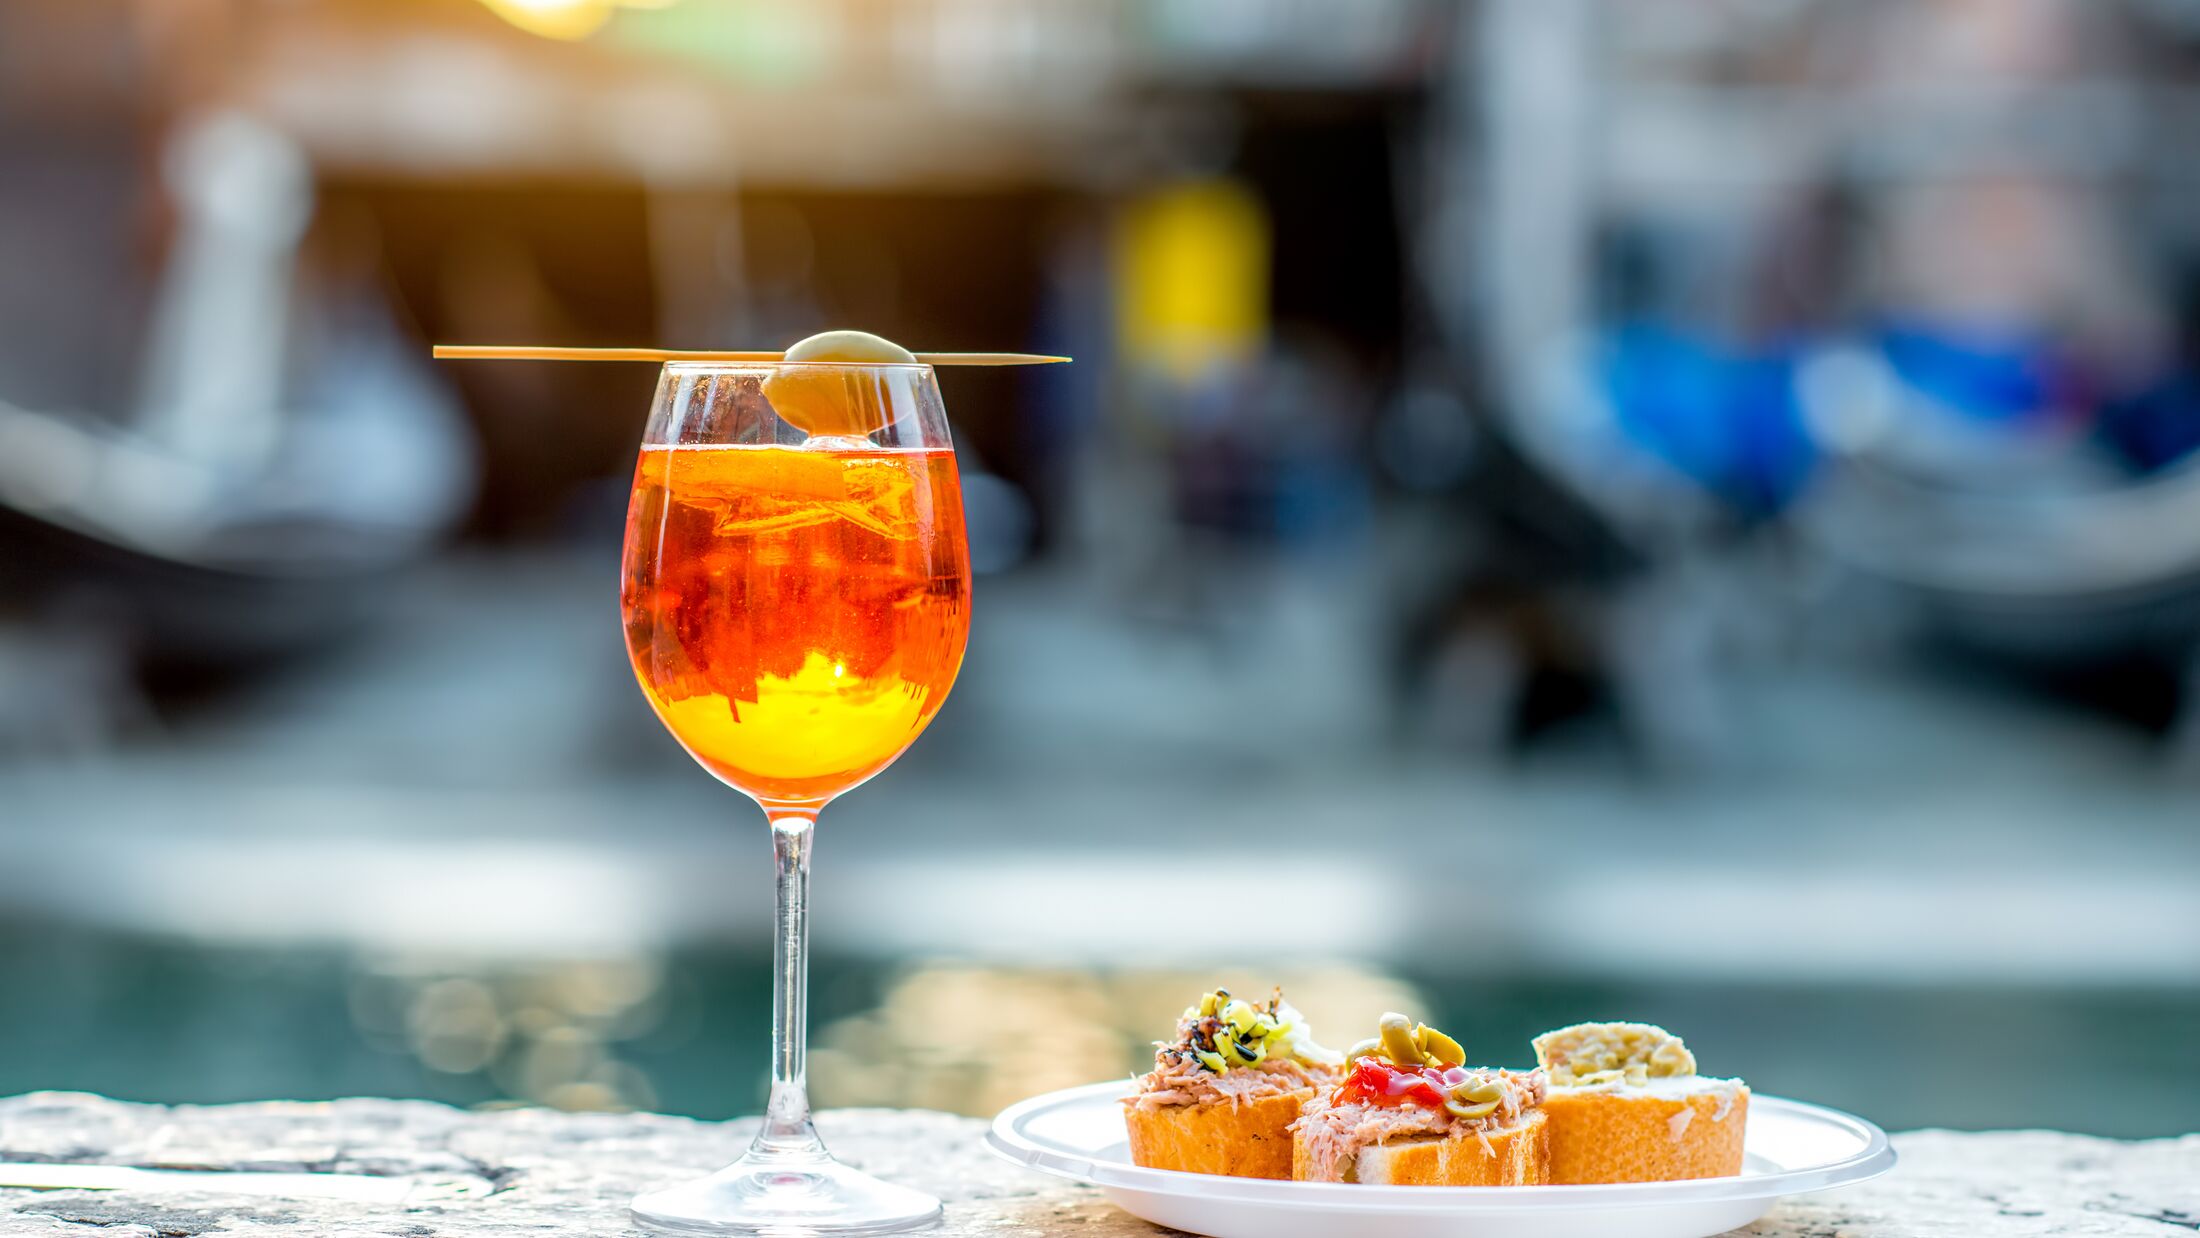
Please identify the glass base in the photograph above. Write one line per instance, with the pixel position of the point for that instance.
(754, 1196)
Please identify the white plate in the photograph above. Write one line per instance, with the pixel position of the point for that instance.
(1791, 1147)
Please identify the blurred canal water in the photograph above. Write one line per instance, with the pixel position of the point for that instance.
(163, 1019)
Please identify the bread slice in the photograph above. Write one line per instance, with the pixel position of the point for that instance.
(1518, 1155)
(1660, 1134)
(1245, 1139)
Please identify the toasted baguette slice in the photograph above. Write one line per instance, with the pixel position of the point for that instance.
(1247, 1139)
(1518, 1155)
(1635, 1135)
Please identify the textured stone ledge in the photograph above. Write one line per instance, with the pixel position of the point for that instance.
(530, 1171)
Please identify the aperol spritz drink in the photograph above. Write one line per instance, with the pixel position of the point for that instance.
(798, 613)
(796, 596)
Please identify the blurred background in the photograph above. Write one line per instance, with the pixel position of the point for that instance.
(1679, 509)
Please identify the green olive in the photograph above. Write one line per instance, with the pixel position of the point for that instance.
(1442, 1048)
(1372, 1045)
(1462, 1109)
(1397, 1032)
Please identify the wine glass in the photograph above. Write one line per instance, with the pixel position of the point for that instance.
(797, 598)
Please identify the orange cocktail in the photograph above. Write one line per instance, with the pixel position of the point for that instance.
(796, 615)
(796, 599)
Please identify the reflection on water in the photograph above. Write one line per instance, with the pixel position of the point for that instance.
(545, 1034)
(685, 1032)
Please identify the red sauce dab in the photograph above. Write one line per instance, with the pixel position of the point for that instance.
(1374, 1081)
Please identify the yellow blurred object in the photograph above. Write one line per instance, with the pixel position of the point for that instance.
(565, 19)
(1192, 277)
(554, 19)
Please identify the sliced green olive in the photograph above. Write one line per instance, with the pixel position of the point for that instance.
(1443, 1048)
(1397, 1032)
(1371, 1046)
(1476, 1097)
(1212, 1061)
(1207, 1005)
(1479, 1090)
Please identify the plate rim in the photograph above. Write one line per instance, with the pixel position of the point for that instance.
(1005, 1138)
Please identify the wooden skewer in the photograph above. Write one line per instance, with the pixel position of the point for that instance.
(535, 352)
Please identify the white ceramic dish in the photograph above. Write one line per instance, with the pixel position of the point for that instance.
(1791, 1147)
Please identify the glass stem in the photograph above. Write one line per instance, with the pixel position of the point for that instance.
(787, 1134)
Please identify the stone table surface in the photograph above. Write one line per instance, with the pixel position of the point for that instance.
(537, 1172)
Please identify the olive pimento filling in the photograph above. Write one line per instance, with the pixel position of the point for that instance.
(1413, 1063)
